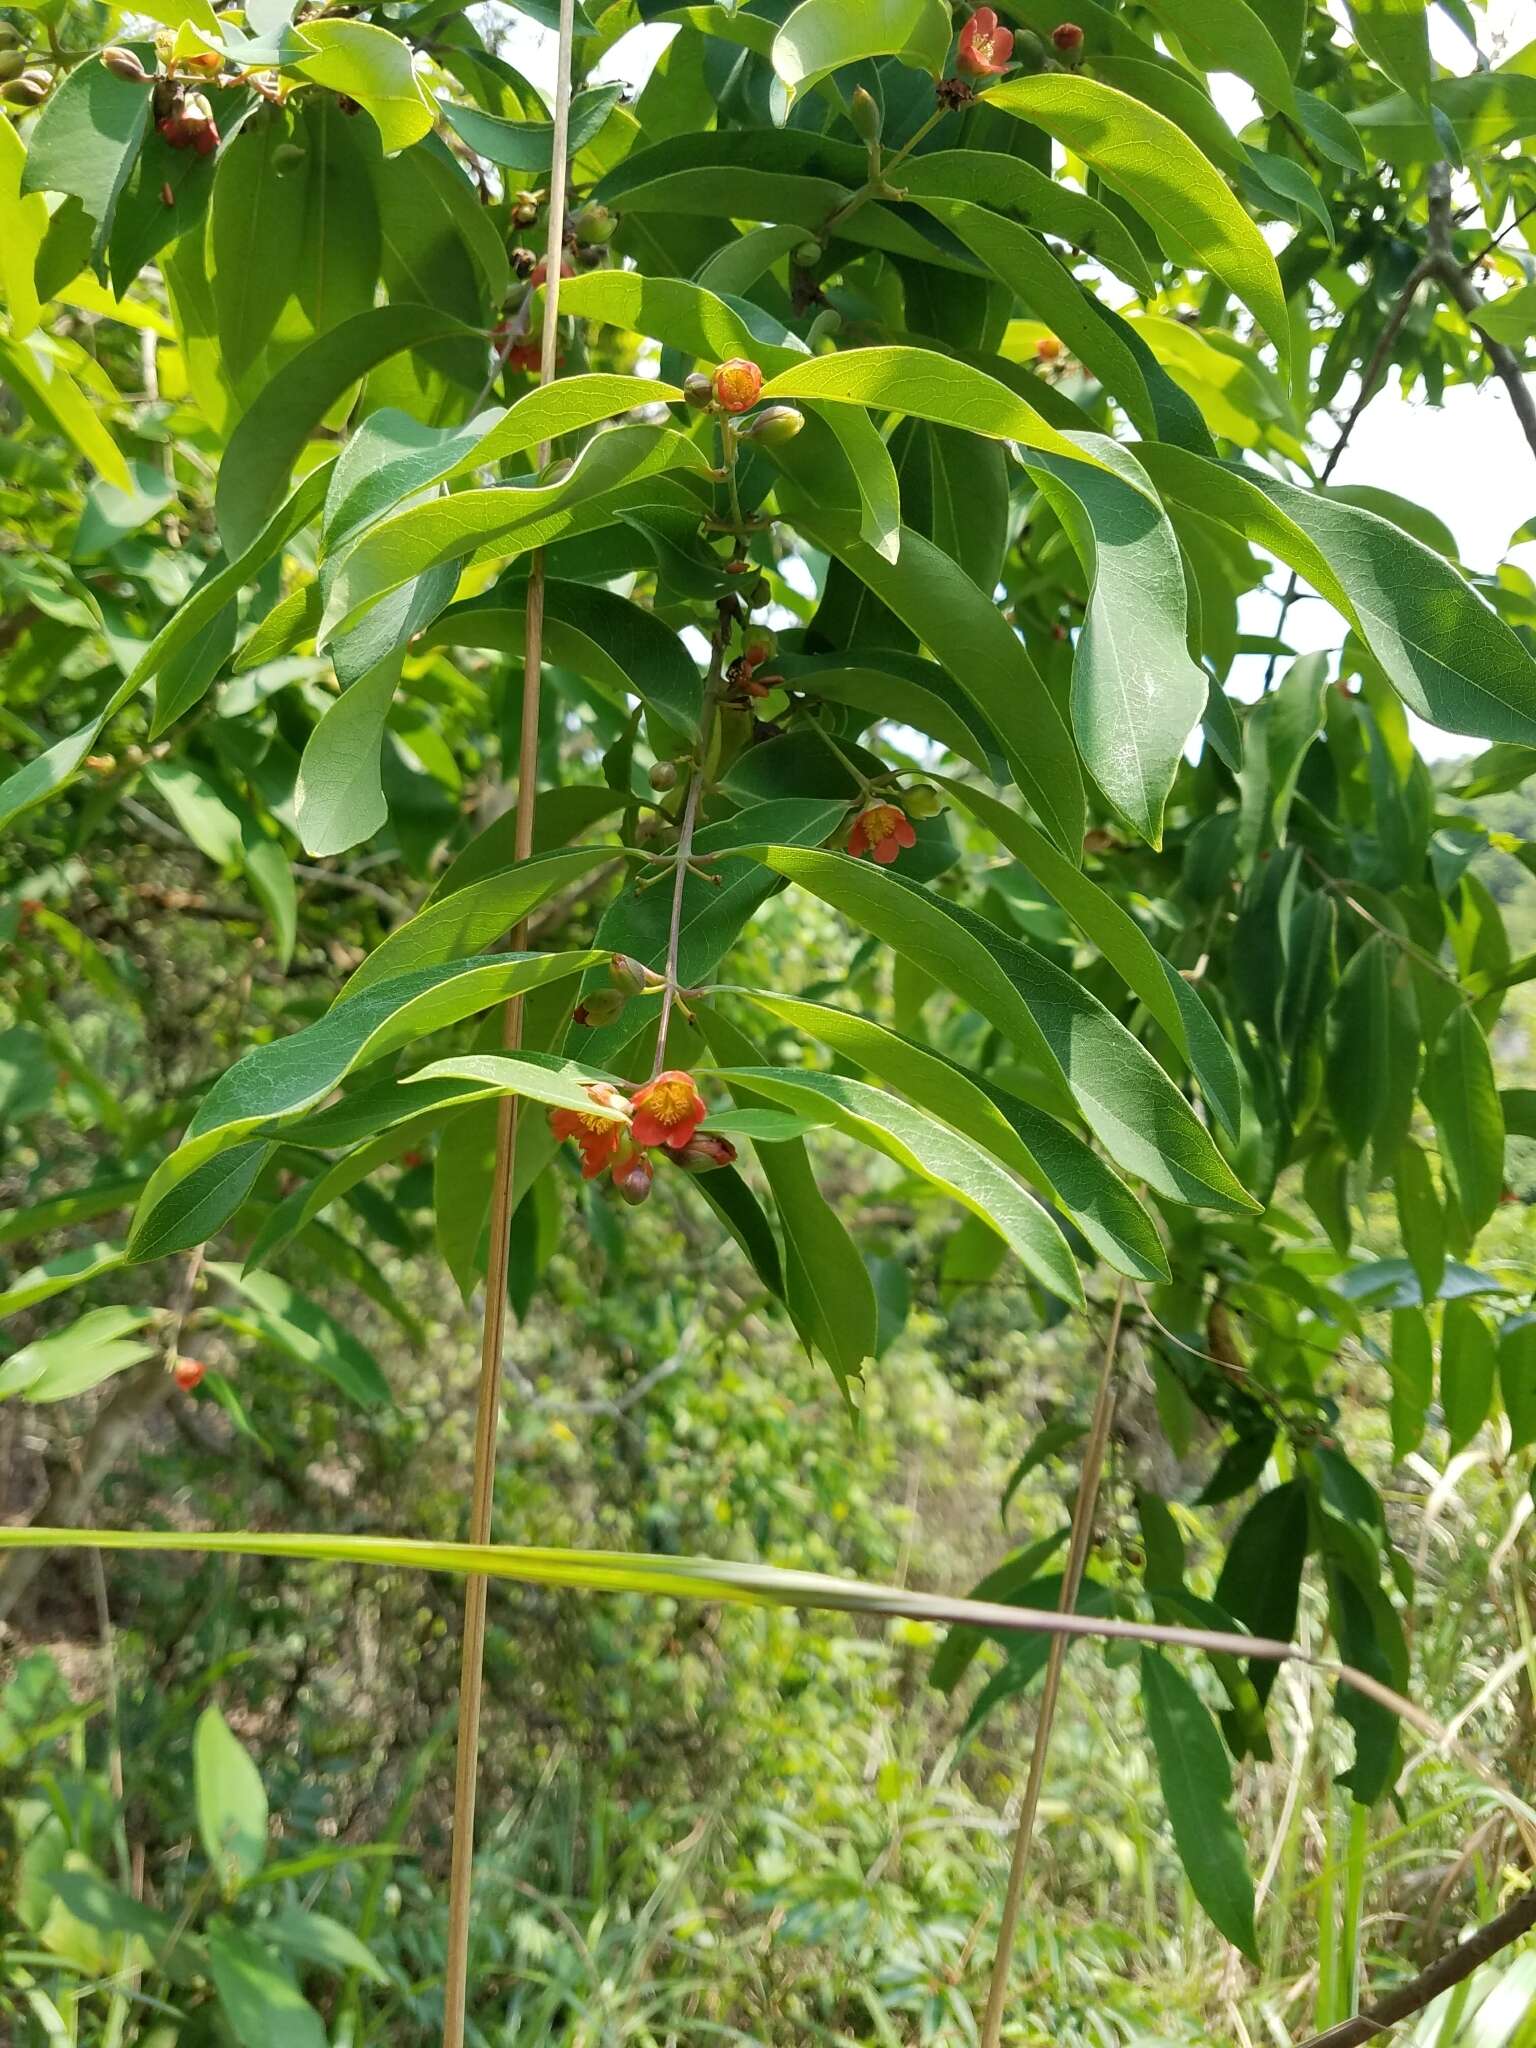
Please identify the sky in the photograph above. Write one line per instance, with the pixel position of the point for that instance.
(1465, 459)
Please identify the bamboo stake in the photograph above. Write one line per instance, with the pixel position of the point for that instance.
(1071, 1579)
(493, 1329)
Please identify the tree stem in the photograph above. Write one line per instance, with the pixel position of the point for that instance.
(493, 1330)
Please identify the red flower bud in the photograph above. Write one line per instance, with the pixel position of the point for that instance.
(985, 47)
(187, 1372)
(704, 1152)
(1067, 38)
(737, 385)
(632, 1176)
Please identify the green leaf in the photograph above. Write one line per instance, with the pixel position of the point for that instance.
(671, 310)
(471, 918)
(875, 474)
(261, 2004)
(963, 628)
(1197, 1791)
(821, 36)
(1228, 35)
(1517, 1380)
(296, 1073)
(1420, 1219)
(1467, 1362)
(1136, 694)
(1054, 1158)
(265, 445)
(316, 1938)
(827, 1287)
(1158, 169)
(1411, 1363)
(1394, 34)
(373, 67)
(1260, 1582)
(1085, 1055)
(92, 1349)
(231, 1802)
(1122, 942)
(1373, 1049)
(611, 640)
(36, 370)
(307, 1333)
(23, 223)
(528, 145)
(339, 794)
(84, 143)
(210, 822)
(256, 221)
(1280, 728)
(928, 386)
(1005, 1582)
(1329, 132)
(952, 1163)
(1462, 1096)
(1445, 650)
(901, 687)
(58, 1275)
(992, 184)
(499, 521)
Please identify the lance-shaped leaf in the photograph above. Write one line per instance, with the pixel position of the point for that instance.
(1136, 694)
(965, 631)
(34, 783)
(540, 1077)
(1373, 1049)
(685, 316)
(505, 520)
(298, 1072)
(827, 1286)
(472, 918)
(612, 641)
(1087, 1058)
(528, 145)
(1411, 1363)
(36, 370)
(96, 1347)
(231, 1802)
(936, 1154)
(1420, 1220)
(1462, 1096)
(1445, 650)
(376, 69)
(1230, 35)
(85, 143)
(990, 184)
(821, 36)
(1394, 34)
(1045, 1152)
(902, 687)
(1197, 1791)
(926, 386)
(306, 1332)
(1154, 165)
(1467, 1361)
(1122, 942)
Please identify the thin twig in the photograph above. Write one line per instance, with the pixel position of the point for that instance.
(1083, 1513)
(1454, 1967)
(493, 1332)
(1442, 256)
(684, 851)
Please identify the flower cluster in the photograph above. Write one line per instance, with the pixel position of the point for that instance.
(615, 1134)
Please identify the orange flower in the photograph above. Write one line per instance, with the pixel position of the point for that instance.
(599, 1131)
(668, 1111)
(737, 384)
(985, 48)
(883, 830)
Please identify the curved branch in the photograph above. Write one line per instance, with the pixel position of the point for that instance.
(1452, 1968)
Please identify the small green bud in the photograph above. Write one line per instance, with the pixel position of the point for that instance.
(922, 800)
(663, 776)
(773, 426)
(595, 225)
(286, 155)
(557, 472)
(699, 391)
(629, 975)
(12, 63)
(602, 1006)
(10, 38)
(807, 255)
(759, 594)
(864, 113)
